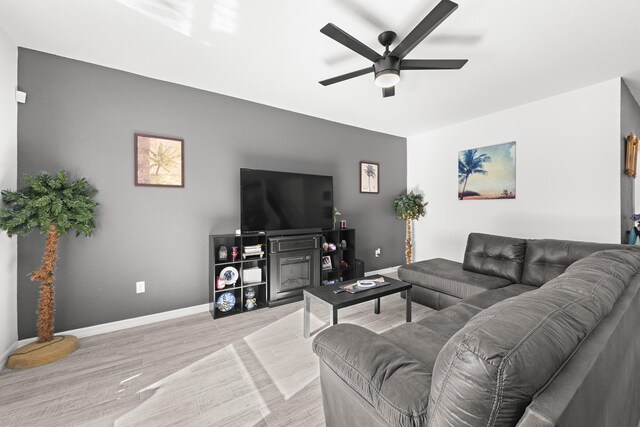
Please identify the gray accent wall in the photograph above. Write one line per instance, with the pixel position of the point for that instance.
(82, 118)
(629, 122)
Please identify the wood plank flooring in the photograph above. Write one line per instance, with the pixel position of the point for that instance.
(253, 369)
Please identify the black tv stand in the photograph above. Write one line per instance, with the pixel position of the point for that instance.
(286, 253)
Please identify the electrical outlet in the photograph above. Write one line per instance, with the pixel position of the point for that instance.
(140, 287)
(378, 253)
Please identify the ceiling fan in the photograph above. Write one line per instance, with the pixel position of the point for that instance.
(387, 67)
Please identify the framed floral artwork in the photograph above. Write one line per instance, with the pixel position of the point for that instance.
(159, 161)
(369, 177)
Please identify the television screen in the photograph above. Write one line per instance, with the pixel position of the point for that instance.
(271, 200)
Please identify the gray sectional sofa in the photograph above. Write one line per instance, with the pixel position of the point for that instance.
(546, 347)
(493, 262)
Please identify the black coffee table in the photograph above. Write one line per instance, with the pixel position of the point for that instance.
(326, 296)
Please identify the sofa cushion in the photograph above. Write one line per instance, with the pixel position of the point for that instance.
(488, 298)
(448, 277)
(546, 259)
(497, 256)
(420, 342)
(434, 299)
(450, 320)
(391, 380)
(488, 372)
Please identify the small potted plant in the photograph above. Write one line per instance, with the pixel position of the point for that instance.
(409, 206)
(336, 214)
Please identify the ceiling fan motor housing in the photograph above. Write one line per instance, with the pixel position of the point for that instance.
(388, 64)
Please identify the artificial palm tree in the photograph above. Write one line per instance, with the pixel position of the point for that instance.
(409, 207)
(55, 205)
(471, 164)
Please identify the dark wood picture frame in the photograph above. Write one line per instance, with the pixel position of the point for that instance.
(631, 158)
(370, 170)
(138, 155)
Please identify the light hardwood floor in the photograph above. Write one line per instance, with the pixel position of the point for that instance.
(253, 369)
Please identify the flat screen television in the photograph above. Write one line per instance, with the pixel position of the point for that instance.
(282, 201)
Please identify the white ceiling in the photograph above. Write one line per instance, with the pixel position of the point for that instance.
(272, 52)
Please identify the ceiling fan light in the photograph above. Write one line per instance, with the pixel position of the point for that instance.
(387, 78)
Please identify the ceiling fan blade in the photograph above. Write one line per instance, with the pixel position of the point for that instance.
(432, 64)
(424, 28)
(388, 91)
(351, 42)
(346, 76)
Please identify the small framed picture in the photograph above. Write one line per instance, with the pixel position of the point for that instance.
(326, 263)
(159, 161)
(369, 177)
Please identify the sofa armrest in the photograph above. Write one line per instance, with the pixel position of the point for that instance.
(392, 381)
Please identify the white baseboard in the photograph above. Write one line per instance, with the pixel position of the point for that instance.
(142, 320)
(6, 354)
(383, 271)
(127, 323)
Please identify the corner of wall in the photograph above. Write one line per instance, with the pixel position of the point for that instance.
(8, 179)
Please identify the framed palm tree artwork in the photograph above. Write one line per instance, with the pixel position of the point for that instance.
(369, 177)
(159, 161)
(487, 173)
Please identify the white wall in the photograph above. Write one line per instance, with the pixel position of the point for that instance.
(567, 173)
(8, 171)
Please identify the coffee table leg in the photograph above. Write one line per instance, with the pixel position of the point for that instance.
(408, 295)
(334, 316)
(376, 307)
(307, 316)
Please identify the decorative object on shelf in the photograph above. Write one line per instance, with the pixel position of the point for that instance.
(343, 264)
(234, 253)
(409, 207)
(230, 275)
(325, 246)
(369, 177)
(252, 275)
(487, 173)
(220, 283)
(631, 159)
(343, 244)
(343, 224)
(252, 251)
(326, 263)
(635, 230)
(55, 205)
(222, 253)
(336, 214)
(226, 301)
(159, 161)
(250, 298)
(331, 247)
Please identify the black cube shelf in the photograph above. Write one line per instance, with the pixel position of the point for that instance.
(242, 263)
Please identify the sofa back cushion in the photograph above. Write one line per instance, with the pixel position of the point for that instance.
(546, 259)
(497, 256)
(489, 371)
